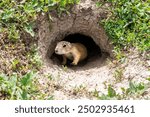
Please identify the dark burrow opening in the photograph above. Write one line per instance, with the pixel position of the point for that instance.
(93, 49)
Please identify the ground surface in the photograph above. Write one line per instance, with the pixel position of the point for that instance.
(78, 82)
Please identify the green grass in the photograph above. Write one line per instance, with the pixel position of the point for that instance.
(16, 17)
(129, 24)
(134, 91)
(14, 87)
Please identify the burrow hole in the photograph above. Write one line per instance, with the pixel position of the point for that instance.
(94, 51)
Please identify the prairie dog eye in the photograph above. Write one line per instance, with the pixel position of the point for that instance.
(64, 46)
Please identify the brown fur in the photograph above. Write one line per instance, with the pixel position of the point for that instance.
(73, 51)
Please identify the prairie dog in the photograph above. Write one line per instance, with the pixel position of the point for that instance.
(72, 51)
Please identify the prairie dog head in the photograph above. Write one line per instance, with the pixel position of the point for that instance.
(63, 47)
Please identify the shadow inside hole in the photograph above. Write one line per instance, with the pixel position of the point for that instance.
(94, 51)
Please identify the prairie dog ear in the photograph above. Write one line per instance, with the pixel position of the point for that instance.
(69, 45)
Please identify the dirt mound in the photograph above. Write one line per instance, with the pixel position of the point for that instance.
(83, 19)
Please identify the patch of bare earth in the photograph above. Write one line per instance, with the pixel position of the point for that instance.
(16, 55)
(80, 82)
